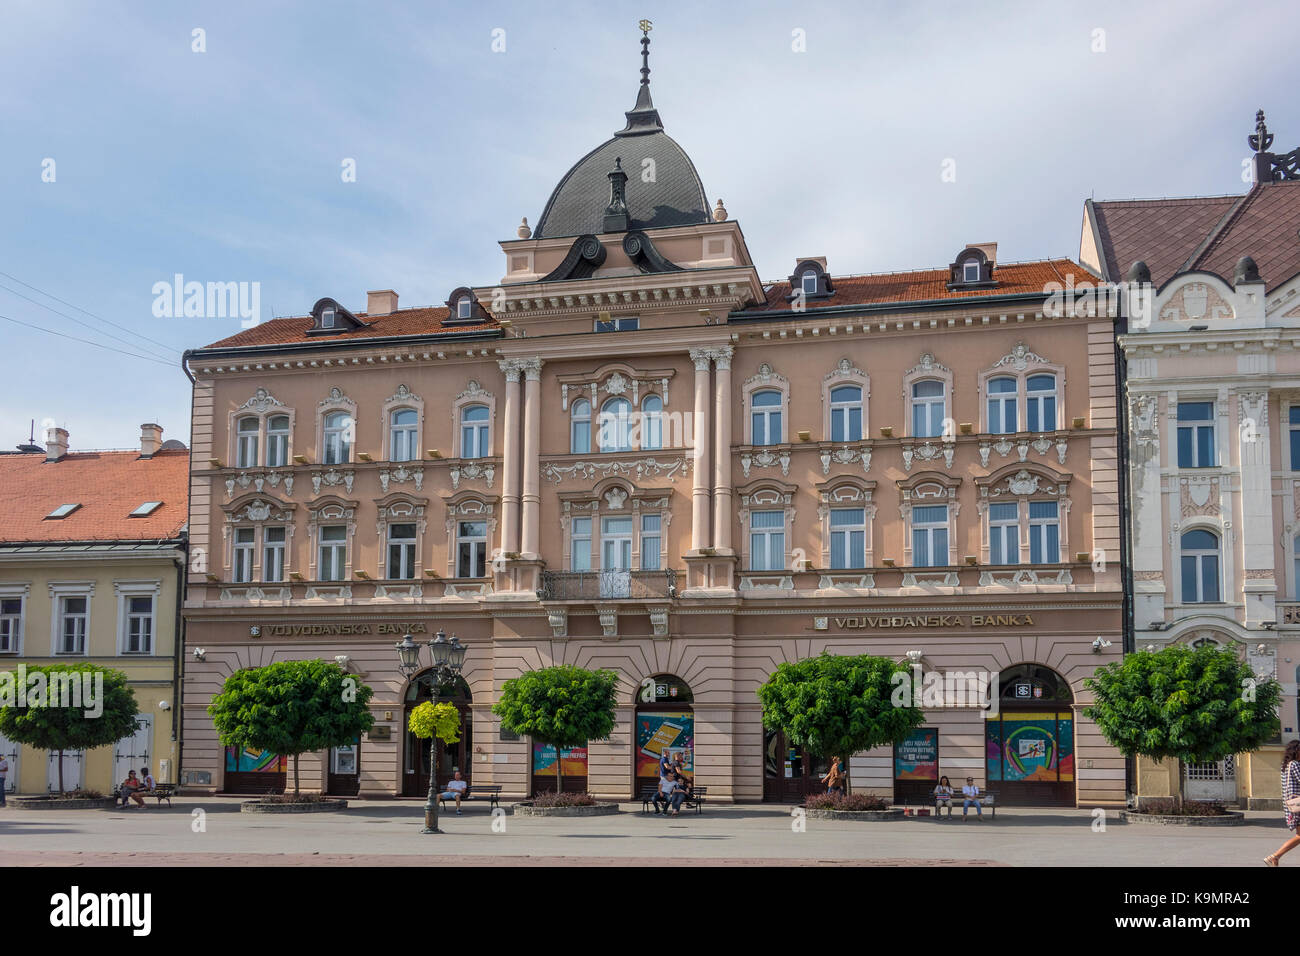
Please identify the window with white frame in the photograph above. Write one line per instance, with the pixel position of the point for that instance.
(1196, 435)
(338, 438)
(273, 545)
(1002, 405)
(846, 413)
(808, 283)
(327, 318)
(463, 307)
(73, 623)
(471, 549)
(474, 432)
(615, 425)
(624, 323)
(1044, 532)
(241, 564)
(1004, 533)
(848, 538)
(1293, 420)
(137, 636)
(930, 536)
(580, 547)
(1200, 566)
(277, 441)
(1040, 403)
(401, 551)
(11, 624)
(651, 541)
(765, 417)
(403, 424)
(333, 558)
(652, 423)
(616, 543)
(580, 427)
(929, 408)
(767, 540)
(246, 448)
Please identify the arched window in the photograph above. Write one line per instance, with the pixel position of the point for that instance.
(277, 441)
(846, 413)
(401, 435)
(1200, 566)
(246, 452)
(1040, 403)
(929, 409)
(616, 425)
(1002, 406)
(338, 438)
(580, 427)
(652, 422)
(474, 441)
(766, 415)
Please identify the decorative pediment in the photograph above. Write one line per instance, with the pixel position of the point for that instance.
(615, 379)
(1014, 482)
(261, 402)
(402, 396)
(1020, 358)
(259, 509)
(473, 391)
(927, 365)
(337, 399)
(765, 376)
(844, 369)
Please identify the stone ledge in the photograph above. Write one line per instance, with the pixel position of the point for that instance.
(320, 806)
(598, 810)
(1229, 819)
(46, 803)
(855, 815)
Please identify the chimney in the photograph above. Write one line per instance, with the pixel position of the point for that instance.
(56, 443)
(990, 250)
(150, 439)
(382, 302)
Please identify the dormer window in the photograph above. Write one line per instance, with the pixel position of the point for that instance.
(463, 307)
(327, 319)
(810, 283)
(973, 268)
(330, 317)
(970, 271)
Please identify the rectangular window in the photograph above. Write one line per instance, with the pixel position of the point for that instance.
(1004, 534)
(471, 549)
(808, 282)
(73, 619)
(616, 544)
(1196, 435)
(651, 540)
(848, 538)
(1044, 532)
(970, 271)
(626, 323)
(767, 540)
(277, 442)
(11, 624)
(1293, 415)
(333, 553)
(1200, 578)
(930, 536)
(401, 551)
(580, 549)
(139, 625)
(273, 542)
(242, 563)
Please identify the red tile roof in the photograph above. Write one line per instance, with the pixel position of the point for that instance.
(931, 284)
(108, 485)
(1266, 227)
(427, 321)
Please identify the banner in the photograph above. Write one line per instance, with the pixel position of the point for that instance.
(917, 757)
(254, 761)
(664, 732)
(575, 761)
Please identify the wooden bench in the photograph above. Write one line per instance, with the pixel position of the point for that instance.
(695, 801)
(489, 792)
(988, 799)
(161, 792)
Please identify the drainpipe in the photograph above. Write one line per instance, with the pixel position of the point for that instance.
(1125, 507)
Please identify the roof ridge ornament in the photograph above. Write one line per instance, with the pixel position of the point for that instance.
(1270, 167)
(643, 118)
(616, 215)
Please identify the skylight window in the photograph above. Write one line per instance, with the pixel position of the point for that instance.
(62, 511)
(148, 508)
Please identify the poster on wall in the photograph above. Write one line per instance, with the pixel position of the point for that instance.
(254, 761)
(668, 732)
(917, 757)
(575, 761)
(1029, 747)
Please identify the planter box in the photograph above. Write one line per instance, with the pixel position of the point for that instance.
(48, 803)
(319, 806)
(598, 810)
(859, 816)
(1230, 819)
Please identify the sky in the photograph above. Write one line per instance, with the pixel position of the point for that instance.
(142, 140)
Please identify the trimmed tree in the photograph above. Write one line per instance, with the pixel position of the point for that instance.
(291, 708)
(440, 720)
(563, 706)
(1195, 705)
(833, 705)
(66, 707)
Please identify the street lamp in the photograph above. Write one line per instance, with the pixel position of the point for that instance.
(448, 658)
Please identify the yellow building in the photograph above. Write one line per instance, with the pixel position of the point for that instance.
(92, 561)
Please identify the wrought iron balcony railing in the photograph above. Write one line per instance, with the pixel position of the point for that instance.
(608, 585)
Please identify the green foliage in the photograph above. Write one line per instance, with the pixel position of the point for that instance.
(836, 706)
(49, 727)
(441, 719)
(1197, 705)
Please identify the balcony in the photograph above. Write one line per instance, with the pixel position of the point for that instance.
(608, 585)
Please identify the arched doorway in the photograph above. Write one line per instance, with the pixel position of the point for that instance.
(1029, 743)
(451, 757)
(664, 723)
(790, 773)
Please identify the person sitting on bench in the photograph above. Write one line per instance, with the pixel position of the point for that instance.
(668, 787)
(971, 798)
(456, 788)
(127, 788)
(943, 796)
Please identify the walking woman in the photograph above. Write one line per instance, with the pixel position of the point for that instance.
(1290, 800)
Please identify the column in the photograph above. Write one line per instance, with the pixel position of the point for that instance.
(510, 458)
(532, 369)
(722, 497)
(700, 430)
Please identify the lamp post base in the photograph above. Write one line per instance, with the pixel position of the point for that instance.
(430, 821)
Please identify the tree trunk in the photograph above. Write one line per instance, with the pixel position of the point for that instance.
(1182, 776)
(295, 776)
(559, 767)
(61, 772)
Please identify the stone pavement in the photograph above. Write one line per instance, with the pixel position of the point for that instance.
(387, 833)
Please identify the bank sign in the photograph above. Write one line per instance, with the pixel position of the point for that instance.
(927, 620)
(321, 630)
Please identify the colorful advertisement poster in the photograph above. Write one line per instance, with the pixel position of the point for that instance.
(670, 732)
(1029, 747)
(575, 761)
(917, 757)
(254, 761)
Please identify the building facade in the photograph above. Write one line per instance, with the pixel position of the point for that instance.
(632, 453)
(1213, 392)
(92, 563)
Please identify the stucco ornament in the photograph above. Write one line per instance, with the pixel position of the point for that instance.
(1023, 483)
(615, 498)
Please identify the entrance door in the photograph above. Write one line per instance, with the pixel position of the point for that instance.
(132, 753)
(345, 770)
(789, 773)
(9, 750)
(616, 557)
(73, 764)
(451, 757)
(1212, 781)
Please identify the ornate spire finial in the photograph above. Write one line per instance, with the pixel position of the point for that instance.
(646, 26)
(643, 118)
(1262, 139)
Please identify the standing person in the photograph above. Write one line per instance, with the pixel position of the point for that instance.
(971, 798)
(834, 778)
(665, 766)
(1290, 800)
(4, 772)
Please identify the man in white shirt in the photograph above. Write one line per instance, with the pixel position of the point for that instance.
(667, 787)
(456, 788)
(971, 798)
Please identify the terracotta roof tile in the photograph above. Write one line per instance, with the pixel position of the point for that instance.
(108, 485)
(1163, 233)
(1265, 227)
(426, 321)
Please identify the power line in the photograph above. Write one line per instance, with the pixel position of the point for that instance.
(70, 318)
(98, 345)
